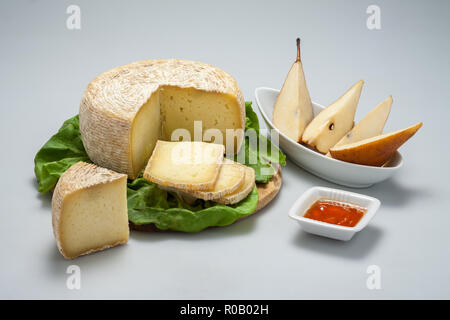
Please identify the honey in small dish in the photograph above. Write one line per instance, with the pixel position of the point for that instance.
(335, 212)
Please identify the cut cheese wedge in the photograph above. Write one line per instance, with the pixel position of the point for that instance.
(124, 111)
(374, 151)
(231, 176)
(89, 210)
(242, 192)
(190, 166)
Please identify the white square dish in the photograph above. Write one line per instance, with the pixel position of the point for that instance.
(327, 229)
(337, 171)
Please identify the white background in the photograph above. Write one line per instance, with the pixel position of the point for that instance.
(45, 68)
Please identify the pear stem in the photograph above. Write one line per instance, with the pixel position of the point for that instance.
(298, 49)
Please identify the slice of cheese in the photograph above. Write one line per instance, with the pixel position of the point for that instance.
(188, 166)
(231, 176)
(89, 210)
(124, 111)
(242, 192)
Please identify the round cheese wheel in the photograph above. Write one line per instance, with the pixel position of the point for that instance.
(124, 111)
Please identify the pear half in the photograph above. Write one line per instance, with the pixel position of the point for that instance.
(293, 108)
(374, 151)
(333, 122)
(369, 126)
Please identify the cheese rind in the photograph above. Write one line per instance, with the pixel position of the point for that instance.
(113, 100)
(242, 192)
(231, 176)
(89, 210)
(188, 166)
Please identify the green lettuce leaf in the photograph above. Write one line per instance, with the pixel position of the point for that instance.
(260, 160)
(64, 149)
(149, 204)
(251, 119)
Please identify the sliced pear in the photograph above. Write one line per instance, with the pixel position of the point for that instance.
(374, 151)
(293, 108)
(333, 122)
(369, 126)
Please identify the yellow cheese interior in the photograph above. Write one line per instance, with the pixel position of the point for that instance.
(185, 165)
(145, 132)
(231, 176)
(172, 108)
(242, 191)
(94, 218)
(180, 107)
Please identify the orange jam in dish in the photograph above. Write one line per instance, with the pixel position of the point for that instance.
(335, 212)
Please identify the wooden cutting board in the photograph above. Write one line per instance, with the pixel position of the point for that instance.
(266, 193)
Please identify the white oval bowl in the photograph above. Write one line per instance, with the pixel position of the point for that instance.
(337, 171)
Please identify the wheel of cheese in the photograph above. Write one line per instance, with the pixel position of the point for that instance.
(124, 111)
